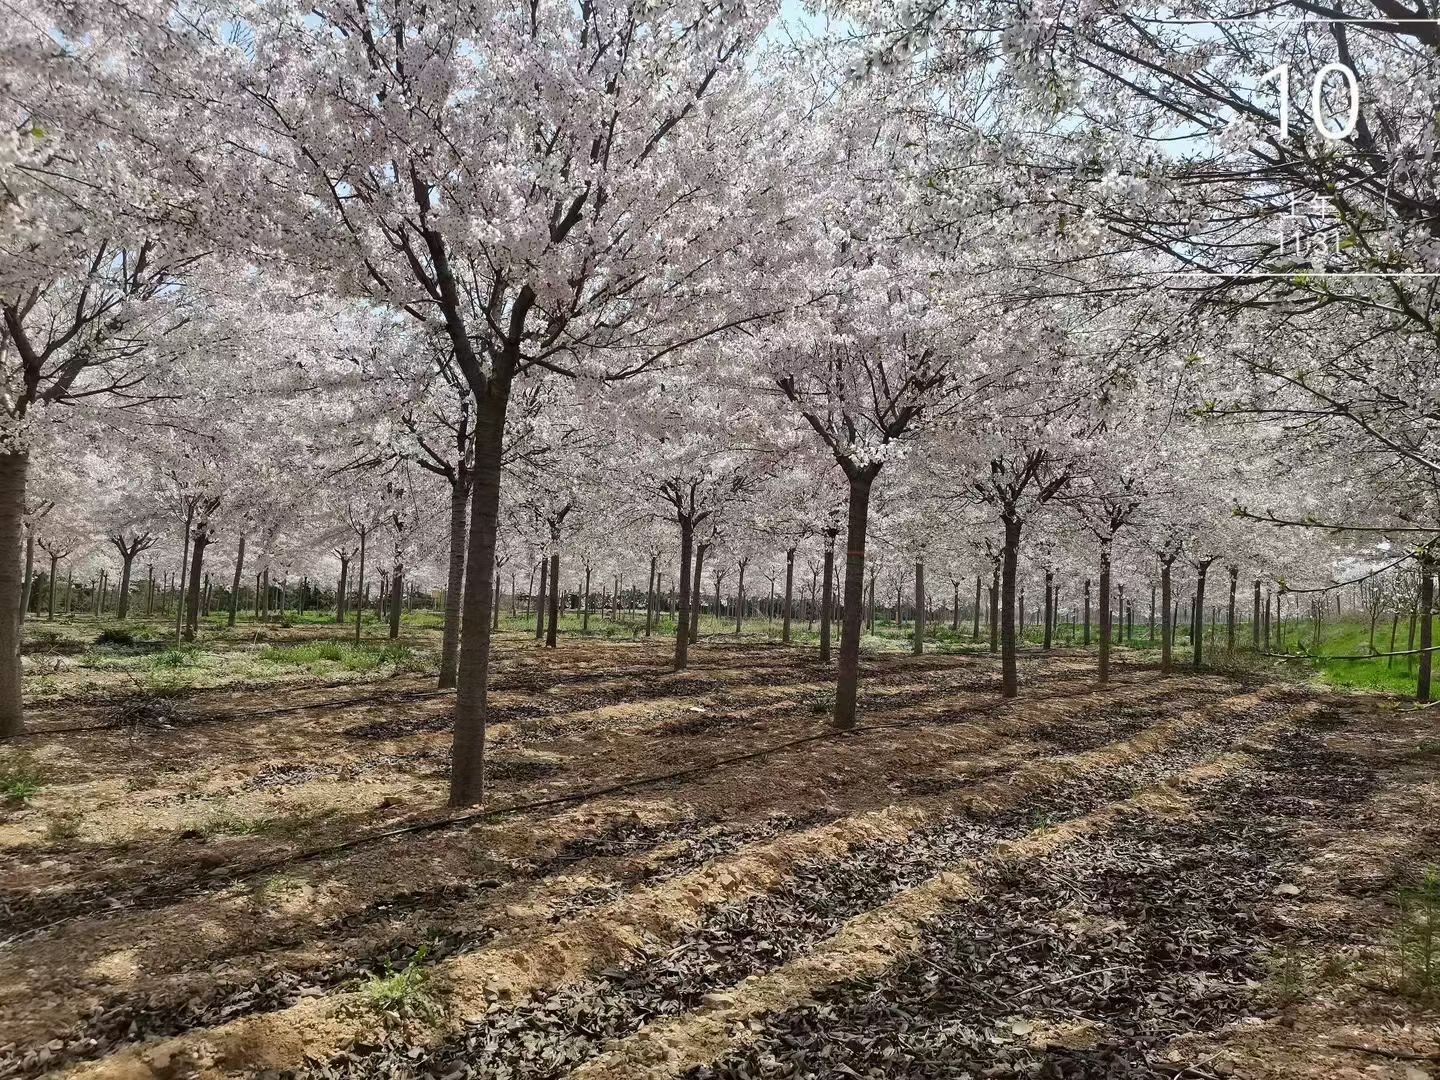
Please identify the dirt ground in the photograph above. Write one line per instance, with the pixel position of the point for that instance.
(688, 875)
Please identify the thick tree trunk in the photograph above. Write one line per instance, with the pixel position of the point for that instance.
(650, 595)
(122, 610)
(397, 593)
(695, 599)
(1009, 676)
(847, 672)
(13, 467)
(467, 760)
(552, 630)
(789, 595)
(540, 598)
(192, 590)
(917, 643)
(682, 621)
(975, 623)
(827, 602)
(235, 582)
(455, 585)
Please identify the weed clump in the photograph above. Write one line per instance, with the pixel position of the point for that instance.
(402, 994)
(20, 778)
(1417, 937)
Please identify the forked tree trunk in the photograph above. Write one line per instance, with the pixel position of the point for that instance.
(682, 621)
(1009, 676)
(235, 582)
(13, 466)
(552, 630)
(828, 600)
(455, 585)
(1104, 610)
(847, 672)
(789, 595)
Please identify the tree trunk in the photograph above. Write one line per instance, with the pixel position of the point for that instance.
(122, 610)
(397, 592)
(917, 643)
(29, 575)
(740, 600)
(827, 601)
(180, 582)
(1104, 611)
(1198, 631)
(789, 594)
(359, 586)
(235, 581)
(975, 624)
(650, 596)
(1086, 638)
(1049, 610)
(455, 585)
(682, 621)
(585, 613)
(695, 600)
(50, 600)
(553, 629)
(1427, 608)
(540, 598)
(192, 590)
(13, 466)
(494, 613)
(1009, 676)
(995, 611)
(1230, 616)
(955, 608)
(342, 590)
(847, 673)
(1167, 628)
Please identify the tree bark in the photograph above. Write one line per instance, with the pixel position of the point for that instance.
(13, 467)
(650, 596)
(180, 596)
(192, 590)
(50, 600)
(553, 629)
(847, 672)
(1009, 676)
(917, 643)
(585, 613)
(122, 610)
(1048, 639)
(1086, 638)
(1230, 615)
(1166, 619)
(740, 600)
(235, 582)
(455, 585)
(682, 621)
(342, 590)
(995, 611)
(789, 594)
(397, 593)
(1104, 611)
(359, 586)
(1198, 631)
(29, 575)
(828, 599)
(975, 624)
(540, 598)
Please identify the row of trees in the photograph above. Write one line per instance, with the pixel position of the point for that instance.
(452, 290)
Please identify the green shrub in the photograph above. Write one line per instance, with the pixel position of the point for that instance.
(402, 994)
(20, 778)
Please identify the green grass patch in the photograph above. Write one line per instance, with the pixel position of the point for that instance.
(347, 655)
(402, 994)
